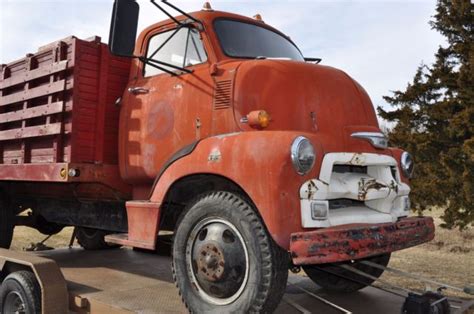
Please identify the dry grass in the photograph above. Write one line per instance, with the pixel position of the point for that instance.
(448, 258)
(24, 237)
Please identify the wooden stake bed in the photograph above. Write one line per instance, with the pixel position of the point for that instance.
(57, 112)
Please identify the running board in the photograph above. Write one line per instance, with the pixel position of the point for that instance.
(122, 239)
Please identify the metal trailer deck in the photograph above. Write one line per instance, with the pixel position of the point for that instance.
(128, 281)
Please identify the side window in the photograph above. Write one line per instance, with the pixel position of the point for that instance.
(184, 49)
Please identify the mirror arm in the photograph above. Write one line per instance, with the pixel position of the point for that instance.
(181, 11)
(171, 66)
(159, 68)
(165, 12)
(154, 63)
(165, 42)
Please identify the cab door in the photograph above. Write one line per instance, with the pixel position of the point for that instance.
(160, 114)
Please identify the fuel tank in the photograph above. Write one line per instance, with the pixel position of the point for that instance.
(303, 97)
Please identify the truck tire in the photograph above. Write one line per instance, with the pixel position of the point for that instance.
(7, 223)
(20, 293)
(93, 239)
(332, 278)
(224, 260)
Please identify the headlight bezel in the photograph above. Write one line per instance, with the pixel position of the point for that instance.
(295, 150)
(407, 164)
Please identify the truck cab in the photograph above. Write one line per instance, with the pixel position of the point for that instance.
(256, 158)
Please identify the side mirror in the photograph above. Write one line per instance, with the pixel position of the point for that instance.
(123, 28)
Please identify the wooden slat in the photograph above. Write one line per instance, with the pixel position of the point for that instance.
(34, 112)
(34, 74)
(31, 131)
(33, 93)
(26, 87)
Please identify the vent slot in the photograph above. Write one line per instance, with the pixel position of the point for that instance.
(349, 168)
(223, 94)
(344, 203)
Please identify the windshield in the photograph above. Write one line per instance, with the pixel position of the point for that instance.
(244, 40)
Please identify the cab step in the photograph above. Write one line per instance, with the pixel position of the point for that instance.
(143, 220)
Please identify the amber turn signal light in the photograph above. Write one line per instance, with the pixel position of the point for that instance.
(207, 7)
(259, 119)
(258, 17)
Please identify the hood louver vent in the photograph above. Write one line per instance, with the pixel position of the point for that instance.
(223, 94)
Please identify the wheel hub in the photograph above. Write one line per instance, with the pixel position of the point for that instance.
(211, 263)
(14, 303)
(218, 259)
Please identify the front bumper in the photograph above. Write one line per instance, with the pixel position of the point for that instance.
(355, 241)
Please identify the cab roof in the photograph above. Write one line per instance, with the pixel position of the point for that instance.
(208, 16)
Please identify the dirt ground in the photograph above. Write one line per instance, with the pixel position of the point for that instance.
(448, 258)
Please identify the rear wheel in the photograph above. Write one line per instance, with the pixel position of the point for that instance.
(93, 239)
(20, 293)
(224, 260)
(7, 223)
(334, 278)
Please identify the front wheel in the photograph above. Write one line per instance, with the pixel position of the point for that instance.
(224, 260)
(333, 278)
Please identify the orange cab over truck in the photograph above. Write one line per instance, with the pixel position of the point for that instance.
(214, 126)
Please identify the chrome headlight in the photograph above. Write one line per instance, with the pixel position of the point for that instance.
(407, 164)
(302, 155)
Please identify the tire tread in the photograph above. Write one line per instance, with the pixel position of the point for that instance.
(29, 285)
(274, 259)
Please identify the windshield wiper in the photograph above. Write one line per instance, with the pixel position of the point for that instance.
(272, 58)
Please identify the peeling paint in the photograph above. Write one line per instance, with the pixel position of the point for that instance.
(336, 244)
(215, 156)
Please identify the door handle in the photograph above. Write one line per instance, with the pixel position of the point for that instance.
(138, 90)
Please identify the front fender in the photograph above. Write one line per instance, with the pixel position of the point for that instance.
(260, 163)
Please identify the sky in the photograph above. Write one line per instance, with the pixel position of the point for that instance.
(380, 43)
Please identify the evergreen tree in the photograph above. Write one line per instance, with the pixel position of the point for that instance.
(435, 119)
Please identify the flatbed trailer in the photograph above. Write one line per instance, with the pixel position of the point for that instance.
(130, 281)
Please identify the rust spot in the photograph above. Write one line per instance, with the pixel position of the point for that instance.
(312, 188)
(357, 159)
(338, 244)
(366, 185)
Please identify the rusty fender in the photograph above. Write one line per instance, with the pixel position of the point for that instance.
(258, 162)
(342, 243)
